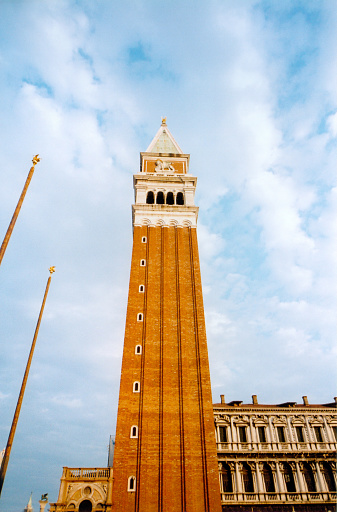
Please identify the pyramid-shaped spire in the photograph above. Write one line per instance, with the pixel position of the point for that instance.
(29, 506)
(164, 142)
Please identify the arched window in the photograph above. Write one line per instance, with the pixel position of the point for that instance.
(268, 478)
(180, 198)
(328, 476)
(150, 197)
(85, 506)
(142, 263)
(138, 349)
(160, 198)
(134, 432)
(227, 483)
(136, 387)
(131, 483)
(141, 288)
(247, 478)
(289, 478)
(140, 317)
(169, 198)
(309, 477)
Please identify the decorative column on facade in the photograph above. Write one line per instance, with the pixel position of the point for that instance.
(252, 466)
(280, 478)
(233, 476)
(253, 434)
(275, 476)
(334, 472)
(271, 432)
(259, 479)
(293, 469)
(234, 435)
(300, 477)
(220, 476)
(239, 482)
(322, 484)
(318, 482)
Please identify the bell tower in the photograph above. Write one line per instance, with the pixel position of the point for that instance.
(165, 453)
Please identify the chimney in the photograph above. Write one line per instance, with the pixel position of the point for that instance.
(254, 397)
(222, 397)
(305, 400)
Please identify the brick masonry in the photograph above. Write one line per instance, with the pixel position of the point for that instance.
(174, 457)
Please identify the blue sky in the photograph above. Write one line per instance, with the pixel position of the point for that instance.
(248, 88)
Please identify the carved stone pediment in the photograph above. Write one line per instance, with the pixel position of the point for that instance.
(299, 419)
(318, 420)
(244, 419)
(331, 419)
(222, 418)
(260, 419)
(279, 420)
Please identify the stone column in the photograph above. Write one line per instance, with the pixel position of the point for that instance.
(293, 469)
(271, 433)
(220, 477)
(275, 477)
(252, 466)
(260, 486)
(321, 479)
(317, 476)
(43, 504)
(300, 478)
(239, 487)
(281, 483)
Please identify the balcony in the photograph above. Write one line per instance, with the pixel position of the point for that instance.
(258, 497)
(275, 447)
(86, 473)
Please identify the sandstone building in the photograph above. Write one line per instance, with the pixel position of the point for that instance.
(167, 455)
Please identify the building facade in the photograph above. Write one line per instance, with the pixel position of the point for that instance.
(276, 457)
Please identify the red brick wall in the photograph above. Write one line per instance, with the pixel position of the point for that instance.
(174, 458)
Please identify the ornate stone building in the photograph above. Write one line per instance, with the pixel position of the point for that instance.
(166, 456)
(276, 457)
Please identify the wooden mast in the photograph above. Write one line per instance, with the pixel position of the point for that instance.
(5, 459)
(3, 248)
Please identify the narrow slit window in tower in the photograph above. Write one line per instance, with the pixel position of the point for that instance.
(144, 239)
(141, 288)
(140, 317)
(131, 484)
(142, 263)
(138, 349)
(136, 387)
(134, 432)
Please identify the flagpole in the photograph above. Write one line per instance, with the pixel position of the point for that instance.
(3, 248)
(5, 459)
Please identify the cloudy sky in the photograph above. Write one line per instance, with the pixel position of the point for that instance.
(248, 88)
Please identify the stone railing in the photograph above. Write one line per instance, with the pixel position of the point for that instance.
(86, 473)
(303, 497)
(275, 446)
